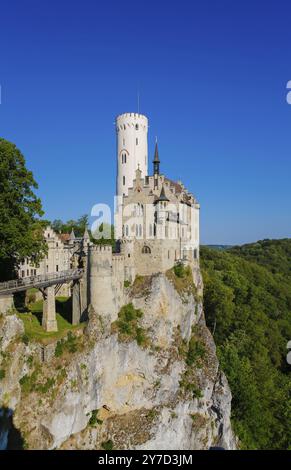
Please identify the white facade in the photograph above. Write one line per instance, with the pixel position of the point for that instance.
(58, 257)
(132, 149)
(175, 219)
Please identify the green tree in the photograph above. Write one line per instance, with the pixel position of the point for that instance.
(21, 233)
(247, 304)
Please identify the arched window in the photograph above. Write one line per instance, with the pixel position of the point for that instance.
(195, 253)
(136, 126)
(168, 254)
(136, 230)
(140, 230)
(146, 249)
(126, 230)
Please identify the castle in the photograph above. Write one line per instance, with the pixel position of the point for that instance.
(156, 225)
(156, 221)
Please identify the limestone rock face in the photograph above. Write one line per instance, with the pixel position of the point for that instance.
(167, 392)
(11, 327)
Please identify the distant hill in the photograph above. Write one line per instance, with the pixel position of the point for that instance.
(247, 303)
(275, 255)
(219, 247)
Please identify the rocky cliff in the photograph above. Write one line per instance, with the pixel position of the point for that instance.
(148, 380)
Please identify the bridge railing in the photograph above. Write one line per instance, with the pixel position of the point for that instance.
(31, 281)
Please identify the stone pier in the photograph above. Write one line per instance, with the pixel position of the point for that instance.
(6, 303)
(49, 321)
(76, 304)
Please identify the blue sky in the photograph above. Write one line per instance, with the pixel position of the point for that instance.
(212, 77)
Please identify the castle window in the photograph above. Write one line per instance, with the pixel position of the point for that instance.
(136, 126)
(136, 141)
(126, 231)
(195, 253)
(140, 231)
(123, 141)
(124, 181)
(57, 267)
(168, 254)
(146, 249)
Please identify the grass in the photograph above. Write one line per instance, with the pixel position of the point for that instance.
(32, 322)
(188, 383)
(195, 357)
(141, 286)
(181, 277)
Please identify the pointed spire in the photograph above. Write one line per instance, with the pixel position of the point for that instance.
(72, 235)
(162, 197)
(86, 235)
(156, 157)
(156, 162)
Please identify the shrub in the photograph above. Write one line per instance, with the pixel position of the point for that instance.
(107, 445)
(126, 283)
(179, 270)
(94, 418)
(25, 339)
(196, 351)
(128, 327)
(2, 374)
(59, 348)
(69, 344)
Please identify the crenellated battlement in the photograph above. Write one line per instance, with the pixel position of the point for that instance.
(118, 258)
(101, 249)
(134, 116)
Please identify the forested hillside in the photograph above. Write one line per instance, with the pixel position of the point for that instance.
(247, 301)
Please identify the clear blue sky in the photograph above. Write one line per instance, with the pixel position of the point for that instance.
(212, 76)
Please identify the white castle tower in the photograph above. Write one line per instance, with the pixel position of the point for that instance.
(132, 149)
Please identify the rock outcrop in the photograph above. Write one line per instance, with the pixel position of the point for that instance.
(150, 380)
